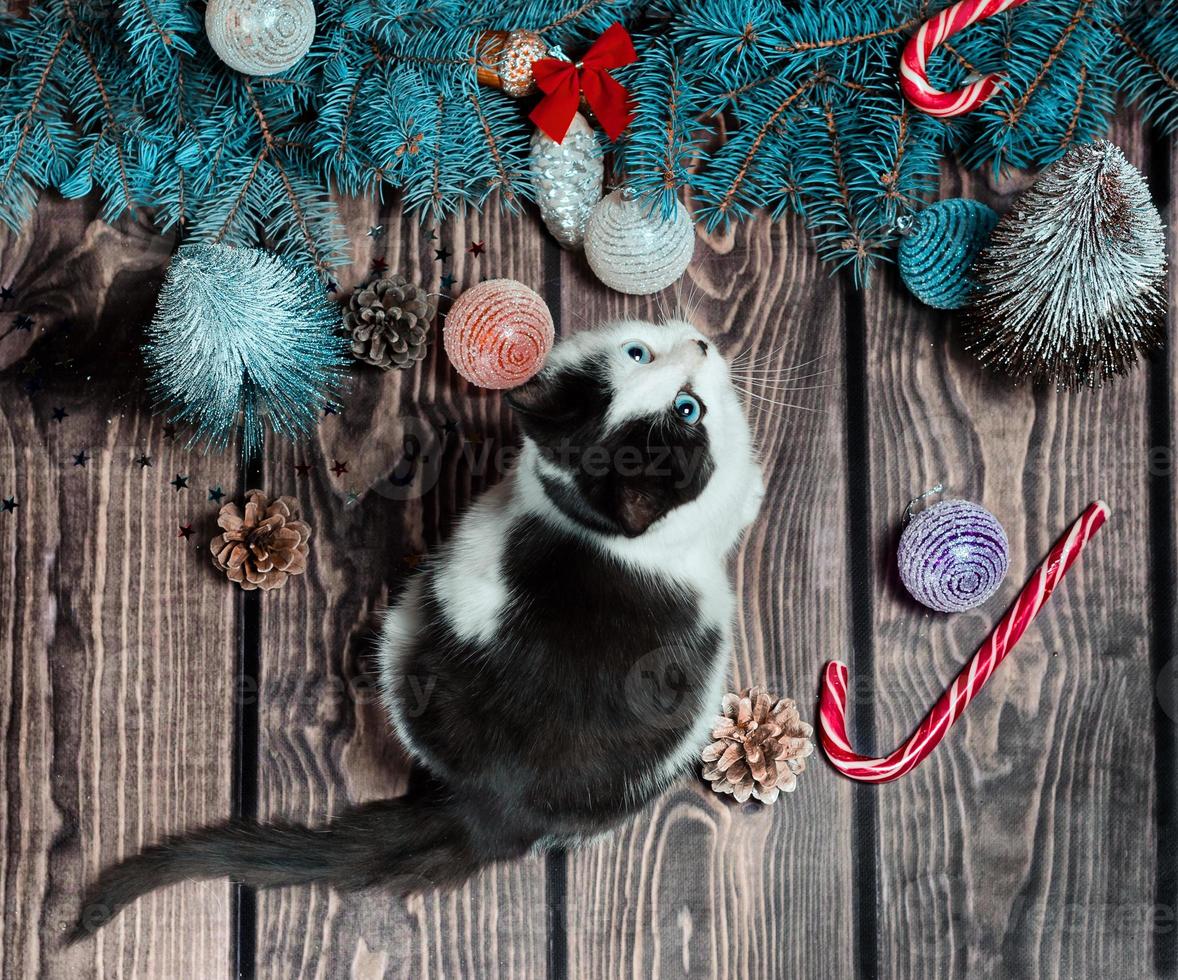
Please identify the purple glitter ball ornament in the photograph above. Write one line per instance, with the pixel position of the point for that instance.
(953, 556)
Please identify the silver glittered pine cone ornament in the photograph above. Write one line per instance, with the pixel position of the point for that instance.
(1072, 286)
(389, 320)
(567, 177)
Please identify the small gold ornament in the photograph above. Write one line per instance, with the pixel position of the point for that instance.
(505, 60)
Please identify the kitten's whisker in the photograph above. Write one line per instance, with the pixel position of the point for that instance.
(664, 310)
(773, 401)
(769, 354)
(778, 388)
(695, 299)
(775, 376)
(784, 382)
(761, 362)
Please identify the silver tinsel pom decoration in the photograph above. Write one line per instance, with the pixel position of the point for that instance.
(241, 338)
(567, 177)
(1073, 283)
(632, 248)
(260, 37)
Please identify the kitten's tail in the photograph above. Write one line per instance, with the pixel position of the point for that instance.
(405, 844)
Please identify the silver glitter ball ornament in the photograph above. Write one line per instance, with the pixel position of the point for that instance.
(260, 37)
(567, 178)
(634, 249)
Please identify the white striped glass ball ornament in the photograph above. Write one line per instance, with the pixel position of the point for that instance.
(260, 37)
(634, 249)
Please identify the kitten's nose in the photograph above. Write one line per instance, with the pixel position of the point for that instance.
(703, 345)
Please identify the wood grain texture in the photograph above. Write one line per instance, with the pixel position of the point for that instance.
(325, 741)
(116, 636)
(1023, 846)
(1163, 404)
(699, 886)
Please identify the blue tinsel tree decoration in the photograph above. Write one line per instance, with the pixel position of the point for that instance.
(128, 101)
(243, 340)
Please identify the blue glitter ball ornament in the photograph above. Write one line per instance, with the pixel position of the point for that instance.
(242, 338)
(939, 247)
(953, 556)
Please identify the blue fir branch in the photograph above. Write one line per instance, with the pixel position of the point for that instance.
(1145, 62)
(1042, 55)
(746, 172)
(158, 35)
(666, 139)
(125, 99)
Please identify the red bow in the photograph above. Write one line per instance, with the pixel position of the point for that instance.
(562, 83)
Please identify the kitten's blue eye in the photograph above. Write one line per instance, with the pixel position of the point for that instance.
(637, 351)
(688, 408)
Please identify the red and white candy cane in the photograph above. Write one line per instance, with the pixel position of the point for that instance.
(933, 32)
(832, 729)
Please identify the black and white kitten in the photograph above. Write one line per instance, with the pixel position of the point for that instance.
(559, 662)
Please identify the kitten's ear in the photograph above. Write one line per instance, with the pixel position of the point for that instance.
(638, 507)
(554, 401)
(533, 398)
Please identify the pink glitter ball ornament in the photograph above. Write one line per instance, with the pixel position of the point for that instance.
(498, 333)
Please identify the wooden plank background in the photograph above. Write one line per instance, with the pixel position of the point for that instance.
(140, 695)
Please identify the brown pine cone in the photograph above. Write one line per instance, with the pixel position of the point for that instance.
(260, 549)
(760, 746)
(389, 320)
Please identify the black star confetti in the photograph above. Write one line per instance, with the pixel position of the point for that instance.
(339, 468)
(144, 461)
(10, 505)
(432, 236)
(330, 409)
(81, 459)
(376, 232)
(6, 293)
(180, 483)
(476, 248)
(60, 414)
(447, 281)
(185, 531)
(216, 493)
(442, 253)
(302, 469)
(23, 322)
(332, 286)
(379, 265)
(169, 431)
